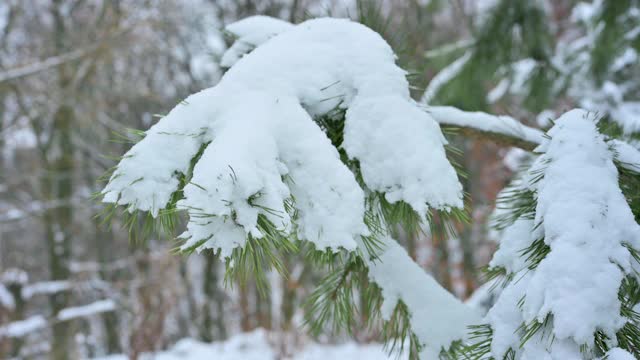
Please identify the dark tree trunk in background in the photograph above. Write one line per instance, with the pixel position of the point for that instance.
(58, 190)
(58, 187)
(18, 314)
(213, 319)
(110, 318)
(245, 315)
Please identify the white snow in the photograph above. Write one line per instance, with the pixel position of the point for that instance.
(256, 346)
(498, 91)
(499, 124)
(266, 147)
(14, 276)
(544, 118)
(521, 70)
(437, 317)
(628, 57)
(619, 354)
(514, 157)
(96, 307)
(444, 76)
(628, 155)
(627, 114)
(23, 327)
(578, 280)
(250, 33)
(45, 288)
(408, 161)
(484, 297)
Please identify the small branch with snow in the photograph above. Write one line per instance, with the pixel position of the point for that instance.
(501, 129)
(444, 76)
(508, 131)
(437, 318)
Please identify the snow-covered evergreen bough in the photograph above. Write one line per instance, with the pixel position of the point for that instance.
(312, 136)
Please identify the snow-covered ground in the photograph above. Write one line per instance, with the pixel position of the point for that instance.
(256, 346)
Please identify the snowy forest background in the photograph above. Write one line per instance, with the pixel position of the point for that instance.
(76, 75)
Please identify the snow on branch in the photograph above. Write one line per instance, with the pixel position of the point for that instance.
(445, 76)
(250, 33)
(627, 155)
(500, 128)
(94, 308)
(567, 272)
(509, 131)
(437, 317)
(24, 327)
(249, 149)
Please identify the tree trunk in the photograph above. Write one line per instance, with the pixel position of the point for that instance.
(214, 299)
(58, 187)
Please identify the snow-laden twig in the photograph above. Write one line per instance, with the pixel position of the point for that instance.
(509, 131)
(94, 308)
(448, 48)
(499, 128)
(437, 317)
(566, 272)
(444, 76)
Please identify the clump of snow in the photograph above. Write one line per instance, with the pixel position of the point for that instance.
(408, 161)
(250, 33)
(444, 76)
(262, 147)
(45, 288)
(578, 280)
(6, 299)
(437, 317)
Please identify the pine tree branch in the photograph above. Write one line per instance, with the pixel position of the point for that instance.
(503, 130)
(507, 131)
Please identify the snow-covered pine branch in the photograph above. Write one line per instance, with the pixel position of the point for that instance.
(569, 258)
(246, 160)
(509, 131)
